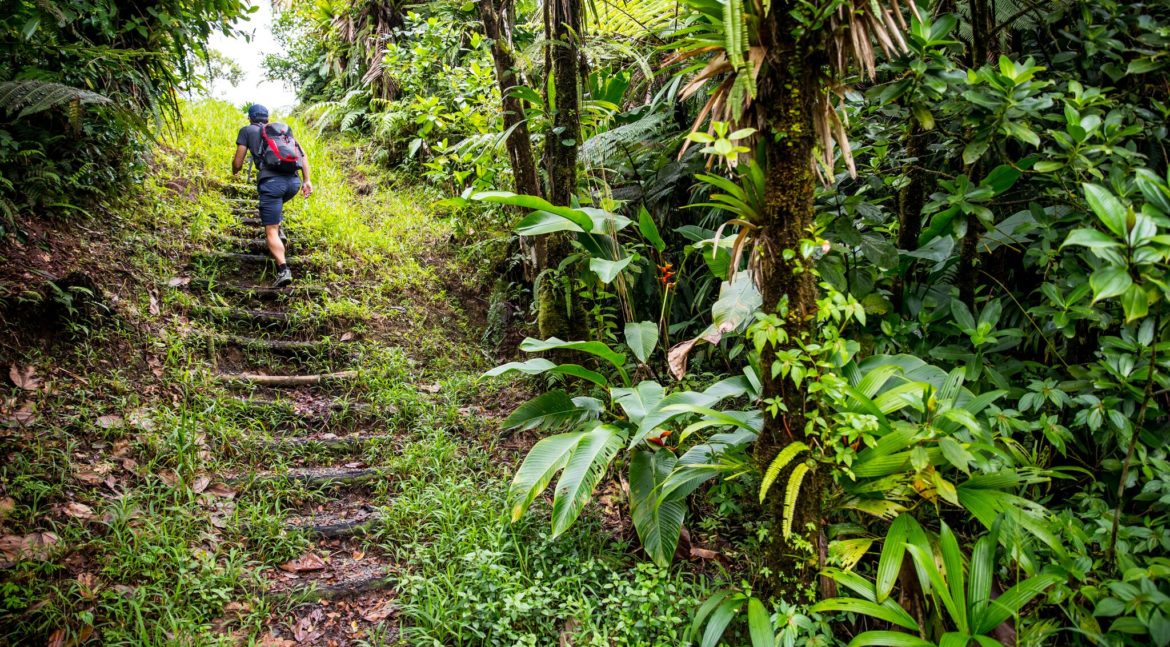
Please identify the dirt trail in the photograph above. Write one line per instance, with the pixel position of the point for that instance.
(264, 346)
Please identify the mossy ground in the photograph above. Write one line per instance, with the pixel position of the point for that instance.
(133, 511)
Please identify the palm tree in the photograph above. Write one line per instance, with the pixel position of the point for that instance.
(776, 66)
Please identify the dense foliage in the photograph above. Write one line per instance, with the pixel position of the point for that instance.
(83, 87)
(983, 380)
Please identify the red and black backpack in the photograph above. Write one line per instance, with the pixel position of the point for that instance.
(279, 151)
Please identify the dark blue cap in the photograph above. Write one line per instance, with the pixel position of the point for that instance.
(257, 112)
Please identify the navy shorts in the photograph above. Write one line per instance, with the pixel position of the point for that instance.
(274, 192)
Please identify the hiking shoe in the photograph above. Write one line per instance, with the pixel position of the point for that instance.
(283, 278)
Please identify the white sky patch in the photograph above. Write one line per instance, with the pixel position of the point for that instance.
(249, 55)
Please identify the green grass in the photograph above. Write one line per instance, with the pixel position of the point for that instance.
(159, 563)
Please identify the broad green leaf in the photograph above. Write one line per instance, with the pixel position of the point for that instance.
(650, 230)
(536, 204)
(1012, 600)
(538, 365)
(890, 611)
(724, 614)
(597, 348)
(543, 222)
(1108, 208)
(953, 566)
(888, 639)
(705, 609)
(982, 572)
(760, 624)
(640, 400)
(1109, 282)
(1135, 302)
(543, 412)
(1091, 238)
(890, 561)
(544, 460)
(659, 523)
(642, 337)
(585, 469)
(608, 270)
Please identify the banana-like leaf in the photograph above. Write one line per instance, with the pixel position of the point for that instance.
(596, 348)
(640, 400)
(981, 573)
(576, 216)
(642, 337)
(705, 610)
(608, 270)
(548, 410)
(538, 365)
(659, 523)
(544, 460)
(585, 469)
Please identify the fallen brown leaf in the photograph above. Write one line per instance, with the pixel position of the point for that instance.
(88, 477)
(703, 553)
(346, 336)
(200, 484)
(7, 505)
(34, 546)
(306, 562)
(269, 640)
(168, 477)
(56, 639)
(221, 490)
(77, 510)
(110, 422)
(380, 612)
(179, 281)
(87, 583)
(432, 388)
(25, 378)
(153, 304)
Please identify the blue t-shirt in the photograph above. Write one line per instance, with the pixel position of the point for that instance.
(250, 136)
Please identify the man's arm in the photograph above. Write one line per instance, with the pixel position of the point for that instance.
(307, 187)
(238, 160)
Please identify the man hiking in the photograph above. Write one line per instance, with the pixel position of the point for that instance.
(278, 158)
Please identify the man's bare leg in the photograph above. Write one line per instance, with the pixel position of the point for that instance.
(275, 247)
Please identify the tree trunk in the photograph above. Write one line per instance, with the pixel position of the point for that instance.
(497, 27)
(911, 199)
(562, 23)
(562, 26)
(784, 105)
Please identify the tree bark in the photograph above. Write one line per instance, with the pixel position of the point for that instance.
(562, 23)
(784, 108)
(496, 17)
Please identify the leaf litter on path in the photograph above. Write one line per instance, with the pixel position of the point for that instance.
(25, 378)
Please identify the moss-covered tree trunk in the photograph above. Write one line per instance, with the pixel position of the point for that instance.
(496, 16)
(562, 23)
(787, 86)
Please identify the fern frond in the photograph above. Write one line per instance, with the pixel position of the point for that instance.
(793, 491)
(24, 98)
(779, 463)
(606, 144)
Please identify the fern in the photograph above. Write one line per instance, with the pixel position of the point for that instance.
(793, 491)
(605, 145)
(24, 98)
(780, 462)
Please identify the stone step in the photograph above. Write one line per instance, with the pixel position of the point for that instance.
(343, 576)
(350, 516)
(259, 318)
(258, 379)
(276, 346)
(251, 245)
(310, 477)
(255, 291)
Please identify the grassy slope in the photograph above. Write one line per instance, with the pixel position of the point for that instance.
(150, 567)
